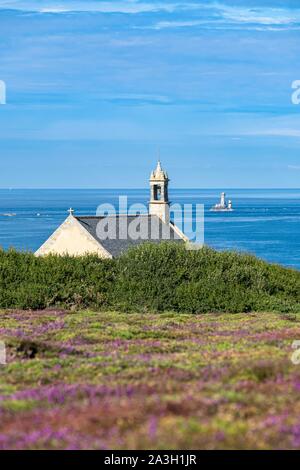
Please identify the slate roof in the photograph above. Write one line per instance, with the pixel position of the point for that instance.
(116, 245)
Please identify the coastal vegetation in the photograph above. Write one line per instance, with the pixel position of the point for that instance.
(90, 380)
(164, 277)
(126, 364)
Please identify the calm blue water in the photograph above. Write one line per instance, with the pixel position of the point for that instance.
(265, 222)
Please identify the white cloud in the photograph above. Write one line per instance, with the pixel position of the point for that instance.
(220, 16)
(97, 130)
(209, 15)
(264, 16)
(281, 132)
(176, 24)
(138, 97)
(53, 10)
(125, 6)
(267, 15)
(294, 167)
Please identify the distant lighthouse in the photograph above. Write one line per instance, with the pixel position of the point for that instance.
(223, 206)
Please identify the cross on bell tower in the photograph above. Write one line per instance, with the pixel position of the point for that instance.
(159, 197)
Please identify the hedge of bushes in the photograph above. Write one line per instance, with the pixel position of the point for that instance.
(149, 278)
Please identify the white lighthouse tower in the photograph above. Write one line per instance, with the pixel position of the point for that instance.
(222, 201)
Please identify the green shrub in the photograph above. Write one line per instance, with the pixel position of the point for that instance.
(30, 282)
(169, 277)
(151, 277)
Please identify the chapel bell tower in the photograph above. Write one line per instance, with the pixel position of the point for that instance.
(159, 198)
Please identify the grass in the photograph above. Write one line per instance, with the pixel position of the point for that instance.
(107, 380)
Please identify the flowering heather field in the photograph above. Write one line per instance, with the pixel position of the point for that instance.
(116, 381)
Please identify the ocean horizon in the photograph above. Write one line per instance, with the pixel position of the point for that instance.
(265, 222)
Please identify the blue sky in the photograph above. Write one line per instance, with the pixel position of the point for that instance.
(95, 88)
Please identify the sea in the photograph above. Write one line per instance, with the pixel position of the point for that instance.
(265, 222)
